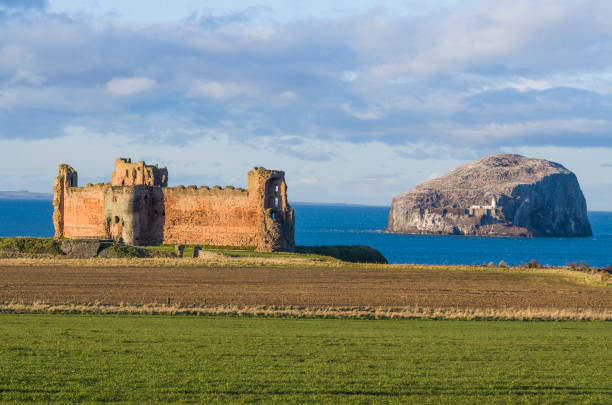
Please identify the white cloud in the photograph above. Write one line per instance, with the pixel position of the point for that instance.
(373, 113)
(521, 84)
(124, 86)
(554, 129)
(218, 90)
(23, 76)
(288, 95)
(8, 98)
(14, 57)
(349, 76)
(260, 32)
(422, 151)
(478, 33)
(308, 153)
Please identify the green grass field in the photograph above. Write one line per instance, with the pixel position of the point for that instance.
(139, 359)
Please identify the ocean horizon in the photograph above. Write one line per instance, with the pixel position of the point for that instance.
(352, 224)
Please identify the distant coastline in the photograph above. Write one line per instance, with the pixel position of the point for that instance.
(24, 195)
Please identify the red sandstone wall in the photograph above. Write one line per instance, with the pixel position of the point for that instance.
(83, 212)
(209, 217)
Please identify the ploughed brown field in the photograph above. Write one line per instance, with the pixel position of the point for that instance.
(308, 287)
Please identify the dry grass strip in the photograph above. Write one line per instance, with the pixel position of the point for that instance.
(208, 260)
(519, 314)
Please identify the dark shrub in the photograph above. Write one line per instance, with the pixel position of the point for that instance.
(161, 253)
(114, 250)
(534, 264)
(354, 254)
(31, 246)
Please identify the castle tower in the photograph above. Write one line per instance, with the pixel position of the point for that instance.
(138, 174)
(268, 193)
(134, 203)
(66, 178)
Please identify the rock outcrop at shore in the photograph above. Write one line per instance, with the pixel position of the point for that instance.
(505, 195)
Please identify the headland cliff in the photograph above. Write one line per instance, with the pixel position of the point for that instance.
(504, 194)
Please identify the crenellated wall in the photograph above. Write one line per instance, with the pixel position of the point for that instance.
(144, 214)
(210, 216)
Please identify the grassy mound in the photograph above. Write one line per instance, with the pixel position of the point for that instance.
(114, 250)
(20, 246)
(347, 253)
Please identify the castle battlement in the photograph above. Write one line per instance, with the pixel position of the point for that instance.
(139, 208)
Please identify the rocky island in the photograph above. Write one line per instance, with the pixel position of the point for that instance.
(504, 195)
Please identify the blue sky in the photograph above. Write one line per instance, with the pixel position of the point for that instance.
(357, 101)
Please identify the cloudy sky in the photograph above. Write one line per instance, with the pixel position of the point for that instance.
(357, 100)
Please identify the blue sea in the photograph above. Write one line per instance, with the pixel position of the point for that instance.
(360, 225)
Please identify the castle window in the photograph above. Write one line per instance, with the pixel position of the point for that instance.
(127, 172)
(116, 220)
(276, 188)
(276, 201)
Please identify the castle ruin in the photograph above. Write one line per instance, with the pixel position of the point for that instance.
(138, 208)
